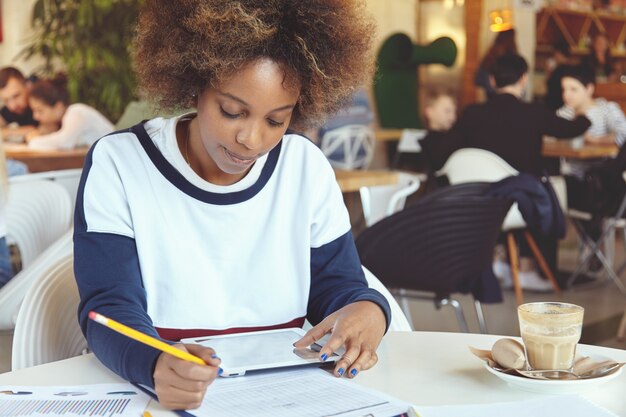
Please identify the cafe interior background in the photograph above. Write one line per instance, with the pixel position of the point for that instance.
(467, 24)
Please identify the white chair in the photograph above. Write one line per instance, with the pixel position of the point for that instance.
(12, 294)
(47, 327)
(349, 147)
(68, 178)
(478, 165)
(38, 212)
(399, 322)
(384, 200)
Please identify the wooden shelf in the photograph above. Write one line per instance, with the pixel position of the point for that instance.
(577, 27)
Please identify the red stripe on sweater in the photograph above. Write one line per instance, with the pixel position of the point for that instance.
(177, 334)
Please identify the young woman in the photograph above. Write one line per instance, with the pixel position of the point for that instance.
(78, 124)
(608, 124)
(223, 220)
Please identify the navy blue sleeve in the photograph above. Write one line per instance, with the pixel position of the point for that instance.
(338, 280)
(109, 282)
(108, 275)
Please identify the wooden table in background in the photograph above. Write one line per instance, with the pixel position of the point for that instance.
(46, 160)
(351, 181)
(386, 135)
(564, 149)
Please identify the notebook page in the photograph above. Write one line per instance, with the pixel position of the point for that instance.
(104, 400)
(303, 392)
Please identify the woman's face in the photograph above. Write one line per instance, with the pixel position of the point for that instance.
(45, 113)
(575, 94)
(242, 119)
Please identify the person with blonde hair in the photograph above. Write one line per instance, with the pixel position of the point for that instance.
(226, 220)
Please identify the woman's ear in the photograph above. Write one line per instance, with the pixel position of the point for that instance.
(591, 88)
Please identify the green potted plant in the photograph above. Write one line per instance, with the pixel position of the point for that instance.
(90, 41)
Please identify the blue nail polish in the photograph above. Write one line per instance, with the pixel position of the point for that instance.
(214, 356)
(220, 371)
(354, 372)
(324, 356)
(340, 371)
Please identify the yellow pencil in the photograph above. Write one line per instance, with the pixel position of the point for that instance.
(147, 414)
(144, 338)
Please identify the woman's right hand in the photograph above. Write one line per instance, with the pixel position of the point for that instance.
(180, 384)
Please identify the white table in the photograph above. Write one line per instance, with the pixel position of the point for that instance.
(424, 368)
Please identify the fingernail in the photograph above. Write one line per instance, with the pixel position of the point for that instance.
(354, 372)
(214, 356)
(220, 371)
(324, 356)
(340, 371)
(294, 344)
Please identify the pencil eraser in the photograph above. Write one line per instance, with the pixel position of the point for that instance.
(92, 315)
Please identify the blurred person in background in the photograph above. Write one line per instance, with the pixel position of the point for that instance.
(504, 44)
(608, 126)
(79, 124)
(440, 115)
(16, 112)
(601, 60)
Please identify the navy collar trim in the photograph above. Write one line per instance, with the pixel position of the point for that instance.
(179, 181)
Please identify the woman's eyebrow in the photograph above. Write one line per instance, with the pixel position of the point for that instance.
(239, 100)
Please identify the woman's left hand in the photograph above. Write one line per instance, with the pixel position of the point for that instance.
(359, 327)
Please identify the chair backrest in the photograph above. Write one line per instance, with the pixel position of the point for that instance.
(399, 321)
(440, 244)
(349, 147)
(47, 327)
(384, 200)
(38, 212)
(476, 165)
(12, 294)
(68, 178)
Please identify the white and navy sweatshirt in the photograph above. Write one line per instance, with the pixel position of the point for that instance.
(165, 252)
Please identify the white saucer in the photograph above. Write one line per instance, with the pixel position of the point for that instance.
(555, 386)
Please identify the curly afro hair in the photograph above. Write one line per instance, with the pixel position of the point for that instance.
(184, 46)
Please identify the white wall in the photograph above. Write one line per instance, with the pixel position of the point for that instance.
(442, 18)
(393, 16)
(16, 27)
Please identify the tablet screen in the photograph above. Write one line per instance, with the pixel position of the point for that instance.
(262, 350)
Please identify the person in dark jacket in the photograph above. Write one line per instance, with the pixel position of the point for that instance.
(513, 130)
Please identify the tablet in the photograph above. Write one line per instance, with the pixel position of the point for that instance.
(266, 349)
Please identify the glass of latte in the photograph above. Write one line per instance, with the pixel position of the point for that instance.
(550, 331)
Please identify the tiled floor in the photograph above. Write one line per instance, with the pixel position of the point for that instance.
(604, 306)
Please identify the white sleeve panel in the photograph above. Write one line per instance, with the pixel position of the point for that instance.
(105, 201)
(330, 218)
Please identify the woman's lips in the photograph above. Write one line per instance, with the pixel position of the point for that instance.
(238, 159)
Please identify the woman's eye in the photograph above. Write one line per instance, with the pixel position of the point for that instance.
(275, 123)
(230, 115)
